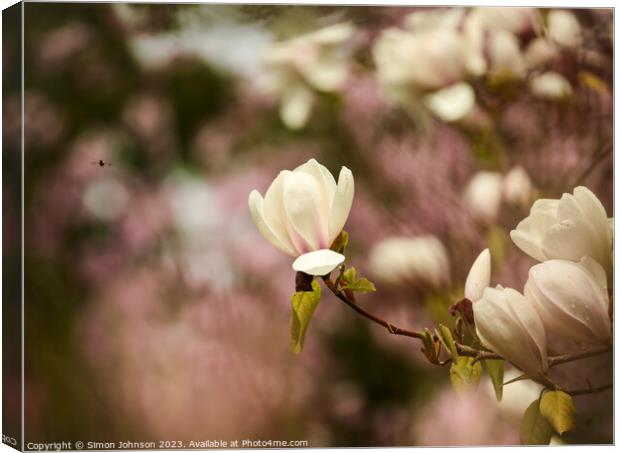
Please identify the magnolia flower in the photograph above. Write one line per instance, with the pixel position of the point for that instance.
(479, 277)
(564, 28)
(491, 39)
(416, 259)
(483, 195)
(316, 61)
(551, 85)
(517, 187)
(425, 60)
(571, 299)
(570, 228)
(302, 213)
(507, 323)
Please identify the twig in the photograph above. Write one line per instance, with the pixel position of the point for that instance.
(390, 327)
(587, 391)
(557, 360)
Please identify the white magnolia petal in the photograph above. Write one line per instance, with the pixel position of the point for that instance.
(452, 103)
(319, 262)
(255, 202)
(274, 215)
(324, 178)
(303, 204)
(295, 106)
(528, 243)
(551, 85)
(479, 277)
(593, 210)
(569, 239)
(341, 206)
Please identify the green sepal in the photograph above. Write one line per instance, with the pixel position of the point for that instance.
(303, 304)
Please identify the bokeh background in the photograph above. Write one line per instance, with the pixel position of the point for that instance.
(154, 309)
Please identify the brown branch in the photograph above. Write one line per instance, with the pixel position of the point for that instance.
(558, 360)
(382, 322)
(589, 390)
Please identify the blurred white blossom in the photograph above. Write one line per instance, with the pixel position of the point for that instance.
(483, 195)
(551, 85)
(421, 259)
(295, 68)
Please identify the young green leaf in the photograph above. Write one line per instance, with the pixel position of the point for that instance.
(351, 282)
(465, 374)
(558, 408)
(349, 276)
(535, 429)
(495, 368)
(447, 340)
(303, 303)
(361, 285)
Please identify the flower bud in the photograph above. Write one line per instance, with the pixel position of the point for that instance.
(483, 195)
(508, 324)
(571, 299)
(303, 211)
(422, 259)
(570, 228)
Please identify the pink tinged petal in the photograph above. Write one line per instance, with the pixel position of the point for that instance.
(479, 276)
(319, 262)
(570, 300)
(275, 216)
(343, 199)
(303, 204)
(500, 332)
(255, 202)
(594, 211)
(531, 324)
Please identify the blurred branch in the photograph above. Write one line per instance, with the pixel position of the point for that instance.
(597, 157)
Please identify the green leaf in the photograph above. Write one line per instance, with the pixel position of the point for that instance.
(495, 368)
(340, 243)
(363, 285)
(465, 374)
(558, 408)
(303, 303)
(352, 283)
(535, 429)
(447, 340)
(350, 275)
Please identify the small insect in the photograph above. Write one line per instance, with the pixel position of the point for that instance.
(101, 163)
